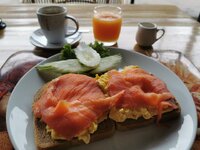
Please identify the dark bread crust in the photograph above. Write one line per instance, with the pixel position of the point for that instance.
(140, 122)
(44, 141)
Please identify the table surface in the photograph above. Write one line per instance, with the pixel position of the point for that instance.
(182, 32)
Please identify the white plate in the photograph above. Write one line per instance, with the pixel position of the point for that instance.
(38, 39)
(179, 134)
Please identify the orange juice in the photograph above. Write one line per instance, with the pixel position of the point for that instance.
(107, 26)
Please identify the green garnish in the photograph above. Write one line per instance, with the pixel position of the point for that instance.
(67, 52)
(103, 51)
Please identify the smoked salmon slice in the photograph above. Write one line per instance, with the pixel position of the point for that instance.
(141, 90)
(70, 103)
(67, 87)
(69, 119)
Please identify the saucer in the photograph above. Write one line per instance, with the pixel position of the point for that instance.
(38, 39)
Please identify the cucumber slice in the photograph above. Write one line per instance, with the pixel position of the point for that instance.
(107, 63)
(87, 56)
(52, 70)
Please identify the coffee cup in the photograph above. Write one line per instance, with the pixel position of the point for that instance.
(147, 34)
(53, 23)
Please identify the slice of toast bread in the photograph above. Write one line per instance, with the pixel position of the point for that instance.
(44, 141)
(140, 122)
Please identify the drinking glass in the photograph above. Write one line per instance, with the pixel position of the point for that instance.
(107, 21)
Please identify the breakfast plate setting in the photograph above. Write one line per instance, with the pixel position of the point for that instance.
(175, 134)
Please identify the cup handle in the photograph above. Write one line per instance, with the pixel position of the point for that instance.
(163, 32)
(76, 23)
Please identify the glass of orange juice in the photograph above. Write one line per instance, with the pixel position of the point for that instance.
(107, 21)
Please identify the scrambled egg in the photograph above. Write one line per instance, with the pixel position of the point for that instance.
(129, 67)
(102, 81)
(120, 115)
(84, 135)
